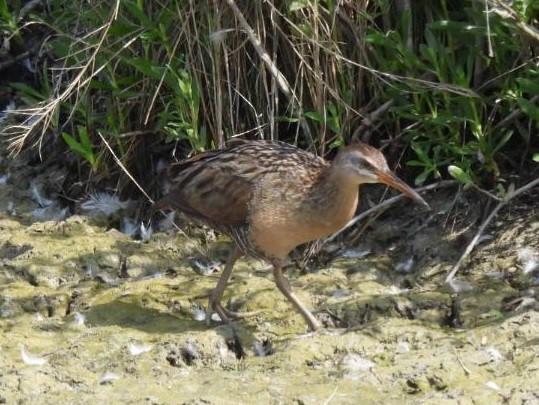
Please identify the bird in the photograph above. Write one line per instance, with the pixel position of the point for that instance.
(270, 197)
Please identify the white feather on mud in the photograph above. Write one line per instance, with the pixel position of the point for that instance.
(136, 350)
(340, 292)
(485, 238)
(405, 267)
(402, 347)
(167, 222)
(356, 366)
(35, 192)
(103, 204)
(4, 178)
(31, 120)
(460, 286)
(199, 314)
(51, 213)
(79, 318)
(356, 253)
(129, 226)
(31, 359)
(494, 354)
(28, 65)
(528, 259)
(207, 269)
(492, 385)
(4, 114)
(108, 377)
(146, 232)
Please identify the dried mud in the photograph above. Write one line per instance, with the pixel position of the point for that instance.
(89, 315)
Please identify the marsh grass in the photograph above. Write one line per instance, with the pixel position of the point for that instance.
(438, 83)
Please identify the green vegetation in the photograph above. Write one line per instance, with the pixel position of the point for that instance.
(444, 83)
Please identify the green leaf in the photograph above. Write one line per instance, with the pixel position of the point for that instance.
(315, 116)
(456, 27)
(536, 157)
(503, 140)
(7, 18)
(73, 144)
(4, 11)
(83, 147)
(85, 139)
(415, 163)
(421, 154)
(28, 91)
(529, 108)
(146, 67)
(337, 143)
(282, 118)
(419, 180)
(298, 5)
(136, 11)
(459, 174)
(528, 86)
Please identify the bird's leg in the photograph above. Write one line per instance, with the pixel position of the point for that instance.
(215, 296)
(284, 286)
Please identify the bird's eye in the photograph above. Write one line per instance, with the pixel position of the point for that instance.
(365, 164)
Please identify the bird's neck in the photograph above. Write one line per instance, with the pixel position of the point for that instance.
(333, 199)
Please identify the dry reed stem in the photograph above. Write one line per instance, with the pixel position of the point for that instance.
(124, 169)
(272, 67)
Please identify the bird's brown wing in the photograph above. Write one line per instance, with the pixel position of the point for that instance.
(216, 186)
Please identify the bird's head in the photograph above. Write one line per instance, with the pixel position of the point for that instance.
(361, 163)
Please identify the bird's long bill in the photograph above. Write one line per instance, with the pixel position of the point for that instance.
(392, 180)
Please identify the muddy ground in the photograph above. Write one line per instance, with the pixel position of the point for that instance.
(90, 315)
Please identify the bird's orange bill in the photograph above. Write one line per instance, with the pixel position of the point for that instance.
(392, 180)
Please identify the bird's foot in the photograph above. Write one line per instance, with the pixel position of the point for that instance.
(225, 314)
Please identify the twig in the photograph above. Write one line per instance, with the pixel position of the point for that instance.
(119, 163)
(512, 116)
(386, 204)
(489, 39)
(15, 59)
(369, 120)
(487, 221)
(466, 369)
(326, 402)
(136, 133)
(28, 7)
(505, 11)
(486, 192)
